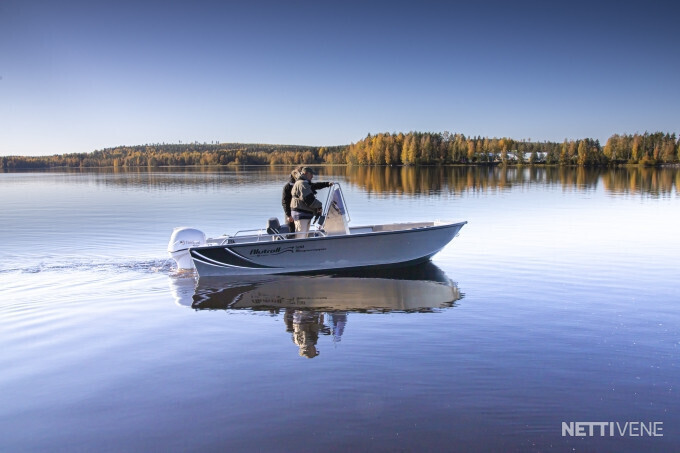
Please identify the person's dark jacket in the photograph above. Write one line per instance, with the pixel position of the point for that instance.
(286, 196)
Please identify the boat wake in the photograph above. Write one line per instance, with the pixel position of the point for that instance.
(152, 266)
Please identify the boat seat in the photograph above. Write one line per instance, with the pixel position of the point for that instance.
(274, 227)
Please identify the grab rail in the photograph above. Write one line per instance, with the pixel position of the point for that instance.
(263, 237)
(246, 231)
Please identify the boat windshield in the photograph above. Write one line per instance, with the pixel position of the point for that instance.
(335, 214)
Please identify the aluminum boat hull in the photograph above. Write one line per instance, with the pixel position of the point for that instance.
(372, 246)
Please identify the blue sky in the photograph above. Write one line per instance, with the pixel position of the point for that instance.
(77, 76)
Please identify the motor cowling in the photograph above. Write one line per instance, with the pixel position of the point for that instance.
(181, 240)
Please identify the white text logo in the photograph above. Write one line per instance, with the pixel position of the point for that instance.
(613, 429)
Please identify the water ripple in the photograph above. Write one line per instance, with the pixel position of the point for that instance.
(93, 265)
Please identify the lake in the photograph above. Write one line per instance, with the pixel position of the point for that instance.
(552, 323)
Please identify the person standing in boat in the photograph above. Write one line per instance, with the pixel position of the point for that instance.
(286, 198)
(303, 204)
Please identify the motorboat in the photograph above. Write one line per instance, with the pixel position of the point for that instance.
(334, 245)
(420, 288)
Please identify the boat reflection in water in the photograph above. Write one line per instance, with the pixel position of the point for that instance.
(314, 305)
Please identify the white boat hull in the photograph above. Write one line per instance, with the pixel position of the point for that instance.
(372, 246)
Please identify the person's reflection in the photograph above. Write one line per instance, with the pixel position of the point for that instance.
(338, 321)
(305, 327)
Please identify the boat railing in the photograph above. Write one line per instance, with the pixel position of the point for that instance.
(258, 230)
(260, 235)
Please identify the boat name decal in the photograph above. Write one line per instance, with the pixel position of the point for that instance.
(276, 251)
(279, 250)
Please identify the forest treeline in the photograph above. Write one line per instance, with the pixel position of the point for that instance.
(413, 148)
(445, 148)
(160, 155)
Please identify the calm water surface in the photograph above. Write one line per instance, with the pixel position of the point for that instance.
(558, 302)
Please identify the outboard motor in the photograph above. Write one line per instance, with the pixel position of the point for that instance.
(182, 238)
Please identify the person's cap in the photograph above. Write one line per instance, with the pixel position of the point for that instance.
(306, 170)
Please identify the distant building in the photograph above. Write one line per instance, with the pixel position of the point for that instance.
(540, 156)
